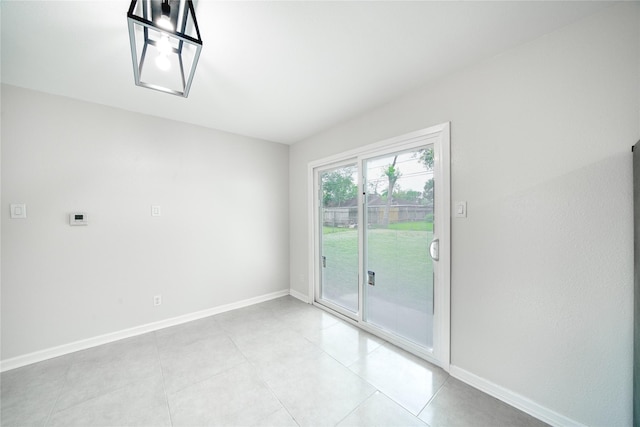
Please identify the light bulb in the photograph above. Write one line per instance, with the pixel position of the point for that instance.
(163, 63)
(164, 45)
(165, 23)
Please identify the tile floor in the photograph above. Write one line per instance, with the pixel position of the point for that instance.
(279, 363)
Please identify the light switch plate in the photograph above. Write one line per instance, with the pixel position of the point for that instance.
(18, 211)
(460, 210)
(155, 211)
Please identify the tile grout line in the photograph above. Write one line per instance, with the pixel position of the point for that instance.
(434, 394)
(358, 405)
(375, 389)
(262, 380)
(164, 387)
(66, 380)
(198, 381)
(95, 397)
(89, 398)
(201, 380)
(227, 334)
(393, 400)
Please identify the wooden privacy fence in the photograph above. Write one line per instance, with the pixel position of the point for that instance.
(348, 216)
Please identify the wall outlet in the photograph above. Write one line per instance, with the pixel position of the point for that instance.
(157, 300)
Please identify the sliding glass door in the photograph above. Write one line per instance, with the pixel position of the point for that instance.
(399, 215)
(381, 239)
(338, 213)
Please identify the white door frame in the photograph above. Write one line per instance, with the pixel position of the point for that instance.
(439, 136)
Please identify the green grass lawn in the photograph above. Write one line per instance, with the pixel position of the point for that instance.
(399, 256)
(329, 230)
(412, 226)
(407, 226)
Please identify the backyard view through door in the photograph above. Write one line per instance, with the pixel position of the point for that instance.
(398, 199)
(339, 237)
(380, 248)
(399, 214)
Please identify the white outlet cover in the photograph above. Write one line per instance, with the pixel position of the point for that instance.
(155, 210)
(18, 211)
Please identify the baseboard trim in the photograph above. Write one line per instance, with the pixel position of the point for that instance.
(299, 295)
(61, 350)
(514, 399)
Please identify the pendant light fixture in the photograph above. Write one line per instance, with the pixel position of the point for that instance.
(165, 44)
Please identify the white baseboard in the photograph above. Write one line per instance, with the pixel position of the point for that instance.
(299, 295)
(514, 399)
(39, 356)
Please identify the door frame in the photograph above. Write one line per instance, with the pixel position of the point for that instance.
(442, 230)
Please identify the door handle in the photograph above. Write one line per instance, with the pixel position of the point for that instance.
(324, 261)
(371, 278)
(434, 249)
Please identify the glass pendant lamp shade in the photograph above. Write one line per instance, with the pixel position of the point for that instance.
(165, 44)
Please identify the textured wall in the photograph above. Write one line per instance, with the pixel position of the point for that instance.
(542, 268)
(222, 236)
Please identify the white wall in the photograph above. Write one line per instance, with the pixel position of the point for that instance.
(542, 267)
(222, 236)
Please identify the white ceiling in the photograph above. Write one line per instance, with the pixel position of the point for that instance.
(279, 71)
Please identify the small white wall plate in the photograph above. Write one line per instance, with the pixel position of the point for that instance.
(18, 211)
(460, 210)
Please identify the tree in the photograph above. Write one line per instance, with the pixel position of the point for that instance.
(392, 173)
(426, 157)
(373, 186)
(428, 191)
(338, 187)
(408, 195)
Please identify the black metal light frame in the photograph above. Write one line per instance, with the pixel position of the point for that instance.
(144, 22)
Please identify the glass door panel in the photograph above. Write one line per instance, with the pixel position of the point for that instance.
(339, 236)
(399, 216)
